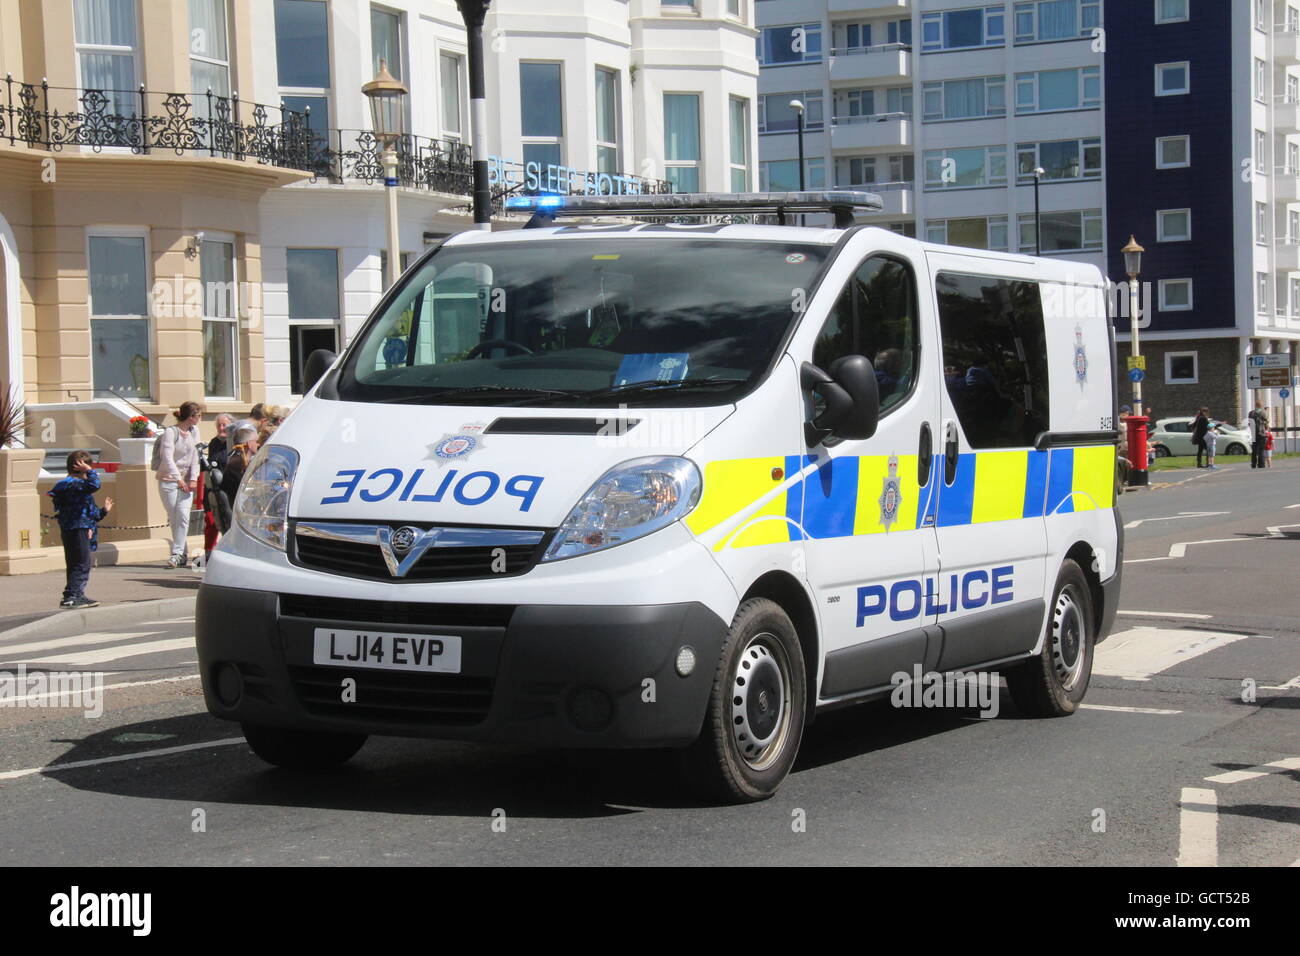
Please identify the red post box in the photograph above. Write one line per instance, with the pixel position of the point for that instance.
(1137, 449)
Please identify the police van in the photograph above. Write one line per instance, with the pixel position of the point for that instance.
(647, 484)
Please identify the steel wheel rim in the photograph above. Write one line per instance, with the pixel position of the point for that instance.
(761, 701)
(1067, 639)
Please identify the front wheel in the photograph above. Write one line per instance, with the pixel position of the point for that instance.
(755, 716)
(1161, 451)
(301, 749)
(1053, 683)
(1236, 448)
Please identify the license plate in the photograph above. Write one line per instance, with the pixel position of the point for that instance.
(439, 653)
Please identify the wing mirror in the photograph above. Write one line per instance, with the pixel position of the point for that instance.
(852, 399)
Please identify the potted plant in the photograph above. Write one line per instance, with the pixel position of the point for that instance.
(19, 466)
(140, 426)
(12, 415)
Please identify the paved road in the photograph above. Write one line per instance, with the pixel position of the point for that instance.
(1166, 755)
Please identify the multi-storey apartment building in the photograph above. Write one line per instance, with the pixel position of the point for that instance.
(165, 237)
(1141, 116)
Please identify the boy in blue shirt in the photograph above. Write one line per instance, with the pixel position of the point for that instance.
(79, 517)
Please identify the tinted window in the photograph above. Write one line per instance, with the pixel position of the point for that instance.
(995, 358)
(876, 317)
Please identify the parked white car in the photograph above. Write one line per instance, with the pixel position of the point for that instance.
(1173, 436)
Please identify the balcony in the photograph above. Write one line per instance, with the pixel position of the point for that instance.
(872, 8)
(1286, 47)
(1286, 114)
(1286, 254)
(1286, 184)
(881, 131)
(890, 61)
(896, 198)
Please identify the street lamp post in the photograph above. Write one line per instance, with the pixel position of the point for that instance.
(797, 106)
(387, 112)
(472, 13)
(1038, 222)
(1137, 422)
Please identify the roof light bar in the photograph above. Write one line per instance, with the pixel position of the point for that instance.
(842, 203)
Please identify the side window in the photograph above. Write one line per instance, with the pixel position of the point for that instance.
(876, 317)
(994, 358)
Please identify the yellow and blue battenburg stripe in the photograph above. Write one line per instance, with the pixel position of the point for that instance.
(842, 497)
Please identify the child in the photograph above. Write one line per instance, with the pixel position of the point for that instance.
(1268, 449)
(79, 517)
(1211, 440)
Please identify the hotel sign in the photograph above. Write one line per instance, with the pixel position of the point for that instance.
(553, 178)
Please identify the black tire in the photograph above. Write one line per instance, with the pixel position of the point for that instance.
(1161, 451)
(301, 749)
(1053, 683)
(1237, 448)
(761, 661)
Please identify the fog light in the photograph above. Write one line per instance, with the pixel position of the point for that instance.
(590, 709)
(685, 661)
(228, 684)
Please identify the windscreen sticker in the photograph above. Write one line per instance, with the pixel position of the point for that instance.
(606, 256)
(652, 367)
(458, 445)
(795, 258)
(472, 488)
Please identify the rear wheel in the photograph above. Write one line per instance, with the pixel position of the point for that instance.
(1161, 451)
(1053, 683)
(755, 716)
(301, 749)
(1236, 448)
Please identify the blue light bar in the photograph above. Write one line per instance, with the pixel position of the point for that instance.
(543, 201)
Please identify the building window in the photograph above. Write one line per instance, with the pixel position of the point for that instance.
(862, 104)
(899, 32)
(1292, 167)
(1292, 19)
(220, 319)
(1180, 368)
(449, 75)
(1261, 151)
(106, 41)
(1173, 152)
(1293, 225)
(794, 44)
(965, 168)
(1056, 20)
(1261, 223)
(1062, 231)
(403, 262)
(386, 41)
(738, 121)
(782, 175)
(682, 141)
(209, 53)
(964, 99)
(1175, 295)
(1294, 285)
(1173, 225)
(1060, 159)
(302, 53)
(117, 269)
(1171, 11)
(1058, 90)
(541, 113)
(734, 9)
(313, 284)
(907, 228)
(776, 116)
(976, 233)
(1292, 88)
(1261, 15)
(1261, 80)
(851, 37)
(607, 121)
(1173, 79)
(963, 29)
(1261, 293)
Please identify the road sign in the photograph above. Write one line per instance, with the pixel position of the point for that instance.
(1277, 360)
(1136, 374)
(1137, 361)
(1268, 377)
(1284, 394)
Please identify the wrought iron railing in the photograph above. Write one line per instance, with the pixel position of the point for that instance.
(441, 165)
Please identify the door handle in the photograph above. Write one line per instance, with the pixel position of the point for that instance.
(949, 451)
(924, 456)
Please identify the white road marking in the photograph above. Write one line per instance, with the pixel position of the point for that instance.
(1130, 710)
(134, 683)
(1292, 684)
(1179, 614)
(81, 640)
(1179, 550)
(78, 764)
(1254, 773)
(1198, 827)
(1181, 514)
(1139, 653)
(1288, 508)
(86, 658)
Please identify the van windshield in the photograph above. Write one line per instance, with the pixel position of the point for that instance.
(600, 321)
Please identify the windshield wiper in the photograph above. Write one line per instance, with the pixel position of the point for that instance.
(655, 386)
(480, 389)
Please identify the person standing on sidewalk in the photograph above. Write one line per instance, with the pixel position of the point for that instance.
(1211, 440)
(178, 472)
(1258, 434)
(1199, 429)
(79, 518)
(217, 452)
(1268, 450)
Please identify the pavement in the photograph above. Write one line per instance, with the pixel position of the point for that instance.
(126, 592)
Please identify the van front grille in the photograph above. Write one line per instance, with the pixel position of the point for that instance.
(394, 696)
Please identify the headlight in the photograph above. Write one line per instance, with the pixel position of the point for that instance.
(629, 501)
(262, 505)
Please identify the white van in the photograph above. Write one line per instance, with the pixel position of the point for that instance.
(639, 485)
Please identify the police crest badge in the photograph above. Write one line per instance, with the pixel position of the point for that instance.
(1080, 357)
(891, 494)
(456, 446)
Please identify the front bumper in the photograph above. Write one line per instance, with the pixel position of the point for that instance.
(543, 675)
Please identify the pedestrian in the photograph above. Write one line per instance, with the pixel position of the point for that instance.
(1211, 440)
(1258, 422)
(178, 472)
(1199, 429)
(79, 518)
(1268, 450)
(242, 450)
(215, 456)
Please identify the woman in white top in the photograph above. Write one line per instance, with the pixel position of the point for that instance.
(178, 470)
